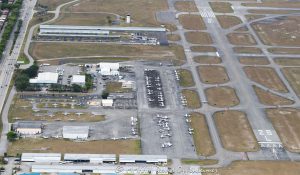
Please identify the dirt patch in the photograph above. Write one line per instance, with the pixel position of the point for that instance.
(260, 167)
(281, 32)
(294, 51)
(51, 4)
(198, 38)
(185, 78)
(268, 98)
(229, 123)
(221, 7)
(286, 122)
(66, 146)
(192, 22)
(186, 6)
(203, 49)
(292, 74)
(192, 98)
(213, 74)
(254, 17)
(254, 60)
(207, 59)
(222, 96)
(285, 61)
(116, 87)
(244, 39)
(227, 21)
(173, 37)
(265, 76)
(202, 139)
(253, 50)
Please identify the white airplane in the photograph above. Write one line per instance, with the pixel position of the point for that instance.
(66, 113)
(79, 113)
(51, 115)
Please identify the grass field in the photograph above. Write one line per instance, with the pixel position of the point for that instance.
(267, 12)
(52, 4)
(42, 51)
(221, 7)
(287, 61)
(198, 38)
(292, 74)
(202, 139)
(242, 39)
(259, 168)
(186, 6)
(265, 76)
(253, 50)
(242, 29)
(222, 96)
(112, 87)
(203, 49)
(192, 98)
(278, 50)
(207, 59)
(227, 21)
(173, 37)
(286, 122)
(282, 4)
(254, 17)
(213, 74)
(185, 78)
(268, 98)
(199, 162)
(192, 22)
(66, 146)
(142, 12)
(229, 123)
(254, 60)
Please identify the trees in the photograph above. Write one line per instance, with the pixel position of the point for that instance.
(88, 81)
(76, 88)
(105, 94)
(32, 71)
(11, 136)
(22, 82)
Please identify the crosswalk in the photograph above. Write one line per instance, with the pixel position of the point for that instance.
(207, 14)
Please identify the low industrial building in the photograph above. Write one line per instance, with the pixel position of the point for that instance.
(76, 132)
(128, 84)
(108, 69)
(91, 158)
(78, 79)
(41, 157)
(28, 128)
(107, 102)
(45, 78)
(143, 159)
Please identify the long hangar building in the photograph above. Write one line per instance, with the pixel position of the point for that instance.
(104, 32)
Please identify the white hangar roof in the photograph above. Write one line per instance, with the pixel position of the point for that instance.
(143, 158)
(78, 79)
(41, 157)
(45, 78)
(91, 157)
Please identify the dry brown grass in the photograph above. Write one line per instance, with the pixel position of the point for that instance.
(242, 29)
(283, 32)
(292, 74)
(192, 98)
(277, 4)
(222, 96)
(207, 59)
(52, 4)
(112, 87)
(192, 22)
(198, 38)
(221, 7)
(285, 61)
(229, 123)
(142, 11)
(173, 37)
(66, 146)
(203, 49)
(253, 50)
(278, 50)
(244, 39)
(201, 162)
(265, 11)
(259, 168)
(202, 139)
(254, 17)
(265, 76)
(186, 6)
(254, 60)
(227, 21)
(213, 74)
(185, 78)
(268, 98)
(286, 122)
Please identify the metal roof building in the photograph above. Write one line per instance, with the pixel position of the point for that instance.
(143, 158)
(41, 157)
(78, 79)
(76, 132)
(91, 158)
(28, 128)
(45, 78)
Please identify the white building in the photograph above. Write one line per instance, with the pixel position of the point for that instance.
(143, 158)
(107, 102)
(41, 157)
(78, 79)
(76, 132)
(128, 84)
(28, 128)
(109, 68)
(91, 158)
(45, 78)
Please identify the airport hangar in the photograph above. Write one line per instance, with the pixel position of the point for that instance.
(100, 31)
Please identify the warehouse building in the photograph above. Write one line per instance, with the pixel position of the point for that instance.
(45, 78)
(41, 157)
(91, 158)
(78, 79)
(28, 128)
(107, 69)
(107, 102)
(143, 159)
(76, 132)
